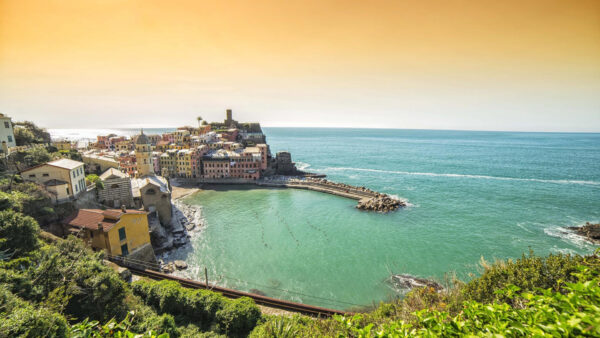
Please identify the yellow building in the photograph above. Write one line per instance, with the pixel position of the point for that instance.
(143, 156)
(184, 163)
(63, 145)
(117, 231)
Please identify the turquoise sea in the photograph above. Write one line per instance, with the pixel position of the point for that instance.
(472, 194)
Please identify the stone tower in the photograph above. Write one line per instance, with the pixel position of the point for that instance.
(143, 156)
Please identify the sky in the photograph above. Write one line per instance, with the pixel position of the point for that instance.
(524, 65)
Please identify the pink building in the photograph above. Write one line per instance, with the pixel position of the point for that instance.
(169, 137)
(127, 164)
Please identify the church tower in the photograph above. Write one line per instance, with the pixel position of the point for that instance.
(143, 156)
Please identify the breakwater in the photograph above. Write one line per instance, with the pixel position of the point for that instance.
(368, 199)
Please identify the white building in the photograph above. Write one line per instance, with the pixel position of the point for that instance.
(67, 172)
(6, 131)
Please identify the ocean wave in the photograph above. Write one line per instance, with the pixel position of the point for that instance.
(485, 177)
(302, 165)
(568, 236)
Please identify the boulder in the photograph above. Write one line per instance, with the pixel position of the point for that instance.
(180, 265)
(406, 282)
(589, 231)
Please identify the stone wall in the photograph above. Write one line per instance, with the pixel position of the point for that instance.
(116, 190)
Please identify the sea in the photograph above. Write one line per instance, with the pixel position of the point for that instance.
(471, 195)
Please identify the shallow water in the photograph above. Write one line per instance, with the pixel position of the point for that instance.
(472, 194)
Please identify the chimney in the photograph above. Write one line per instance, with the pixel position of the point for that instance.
(123, 209)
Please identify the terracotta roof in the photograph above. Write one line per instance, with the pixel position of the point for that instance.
(91, 218)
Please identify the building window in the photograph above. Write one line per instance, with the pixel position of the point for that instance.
(32, 175)
(124, 250)
(6, 124)
(9, 138)
(122, 235)
(45, 174)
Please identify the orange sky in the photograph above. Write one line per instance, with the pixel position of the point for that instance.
(518, 65)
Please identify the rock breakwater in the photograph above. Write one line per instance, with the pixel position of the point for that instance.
(369, 200)
(380, 203)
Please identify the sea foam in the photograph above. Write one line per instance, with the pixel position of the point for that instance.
(485, 177)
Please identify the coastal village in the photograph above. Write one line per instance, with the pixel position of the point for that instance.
(123, 188)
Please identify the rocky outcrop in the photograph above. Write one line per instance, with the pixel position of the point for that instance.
(589, 231)
(381, 203)
(405, 282)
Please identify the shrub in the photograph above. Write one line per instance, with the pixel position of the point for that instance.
(18, 233)
(21, 319)
(201, 307)
(527, 273)
(238, 316)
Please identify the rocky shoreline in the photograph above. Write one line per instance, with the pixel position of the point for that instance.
(403, 283)
(590, 231)
(186, 222)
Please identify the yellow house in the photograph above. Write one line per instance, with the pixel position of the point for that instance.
(117, 231)
(63, 145)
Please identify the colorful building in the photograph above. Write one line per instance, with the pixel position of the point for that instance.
(117, 231)
(143, 156)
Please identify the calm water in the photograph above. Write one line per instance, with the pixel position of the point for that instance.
(472, 194)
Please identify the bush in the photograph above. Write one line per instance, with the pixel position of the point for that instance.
(20, 319)
(239, 316)
(573, 314)
(201, 307)
(18, 233)
(527, 273)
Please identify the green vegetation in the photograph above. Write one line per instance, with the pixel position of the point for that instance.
(568, 306)
(94, 179)
(206, 309)
(27, 133)
(31, 199)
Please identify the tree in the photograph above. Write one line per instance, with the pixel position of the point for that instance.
(40, 135)
(18, 233)
(94, 179)
(23, 136)
(37, 156)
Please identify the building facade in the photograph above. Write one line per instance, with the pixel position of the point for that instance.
(117, 231)
(64, 170)
(6, 131)
(143, 156)
(117, 189)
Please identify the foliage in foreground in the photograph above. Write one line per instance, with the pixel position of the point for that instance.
(209, 310)
(569, 307)
(547, 312)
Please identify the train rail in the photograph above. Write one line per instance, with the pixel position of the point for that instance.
(310, 310)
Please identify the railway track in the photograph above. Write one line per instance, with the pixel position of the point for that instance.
(310, 310)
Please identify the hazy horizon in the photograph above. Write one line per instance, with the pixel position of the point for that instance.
(441, 65)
